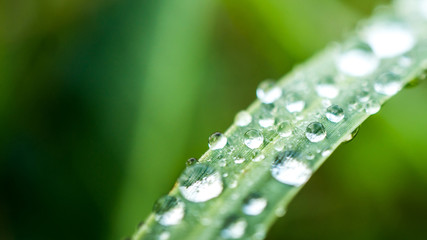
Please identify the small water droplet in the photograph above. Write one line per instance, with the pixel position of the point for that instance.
(294, 102)
(200, 183)
(352, 135)
(364, 95)
(388, 84)
(389, 38)
(217, 141)
(327, 88)
(233, 184)
(268, 92)
(234, 228)
(239, 160)
(164, 236)
(315, 132)
(310, 156)
(357, 62)
(372, 107)
(259, 158)
(253, 139)
(335, 113)
(280, 211)
(266, 120)
(254, 204)
(222, 162)
(288, 170)
(243, 118)
(191, 161)
(168, 210)
(260, 232)
(284, 129)
(327, 152)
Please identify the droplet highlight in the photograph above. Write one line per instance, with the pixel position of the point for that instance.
(243, 118)
(294, 103)
(289, 170)
(253, 139)
(234, 228)
(268, 92)
(315, 132)
(357, 62)
(334, 113)
(254, 204)
(217, 141)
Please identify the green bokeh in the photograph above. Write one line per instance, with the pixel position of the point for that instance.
(101, 103)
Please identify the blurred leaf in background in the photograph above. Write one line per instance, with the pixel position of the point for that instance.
(101, 103)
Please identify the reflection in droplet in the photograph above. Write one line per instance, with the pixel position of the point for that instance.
(217, 141)
(357, 62)
(315, 132)
(388, 84)
(389, 39)
(200, 183)
(254, 204)
(268, 92)
(234, 228)
(168, 210)
(334, 113)
(289, 170)
(253, 139)
(243, 118)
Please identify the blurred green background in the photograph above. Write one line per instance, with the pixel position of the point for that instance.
(101, 103)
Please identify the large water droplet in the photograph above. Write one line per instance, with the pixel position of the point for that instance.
(284, 129)
(217, 141)
(389, 39)
(168, 210)
(357, 62)
(254, 204)
(288, 170)
(200, 183)
(268, 92)
(253, 139)
(327, 88)
(315, 132)
(388, 84)
(234, 228)
(242, 119)
(372, 107)
(334, 113)
(294, 102)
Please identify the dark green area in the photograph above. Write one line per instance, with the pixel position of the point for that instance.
(102, 103)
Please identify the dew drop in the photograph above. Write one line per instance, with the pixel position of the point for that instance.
(315, 132)
(191, 161)
(352, 135)
(253, 139)
(168, 210)
(294, 102)
(284, 129)
(334, 113)
(364, 95)
(309, 156)
(388, 84)
(389, 39)
(357, 62)
(258, 158)
(254, 204)
(266, 120)
(164, 236)
(234, 228)
(268, 92)
(200, 183)
(280, 211)
(243, 118)
(217, 141)
(327, 152)
(372, 107)
(327, 88)
(239, 160)
(288, 170)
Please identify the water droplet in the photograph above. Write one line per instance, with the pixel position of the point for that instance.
(260, 232)
(284, 129)
(372, 107)
(191, 161)
(259, 158)
(352, 135)
(200, 183)
(268, 92)
(254, 204)
(239, 160)
(309, 156)
(164, 236)
(315, 132)
(288, 170)
(222, 162)
(364, 95)
(234, 228)
(253, 139)
(327, 152)
(280, 211)
(327, 88)
(243, 118)
(334, 113)
(388, 84)
(389, 38)
(168, 210)
(266, 120)
(357, 62)
(217, 141)
(294, 103)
